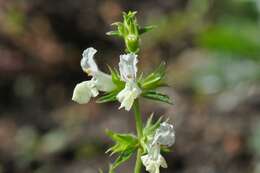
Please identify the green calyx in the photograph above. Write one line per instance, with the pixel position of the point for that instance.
(130, 31)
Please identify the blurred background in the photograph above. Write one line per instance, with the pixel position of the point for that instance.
(212, 50)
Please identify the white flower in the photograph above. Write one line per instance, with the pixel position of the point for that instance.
(100, 81)
(87, 62)
(164, 135)
(103, 82)
(128, 95)
(154, 160)
(128, 72)
(84, 91)
(127, 67)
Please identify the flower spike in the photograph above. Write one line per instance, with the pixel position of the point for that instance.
(126, 86)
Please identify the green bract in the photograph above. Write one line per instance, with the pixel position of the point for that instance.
(148, 131)
(125, 146)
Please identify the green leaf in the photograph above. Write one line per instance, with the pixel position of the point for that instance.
(116, 78)
(149, 131)
(125, 146)
(110, 97)
(122, 142)
(149, 121)
(150, 127)
(121, 137)
(113, 33)
(124, 156)
(111, 168)
(155, 79)
(146, 29)
(153, 95)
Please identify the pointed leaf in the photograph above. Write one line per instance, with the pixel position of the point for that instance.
(157, 96)
(155, 79)
(122, 142)
(116, 78)
(146, 29)
(113, 33)
(110, 97)
(124, 156)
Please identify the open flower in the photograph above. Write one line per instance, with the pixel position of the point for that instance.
(100, 81)
(164, 135)
(128, 95)
(128, 72)
(153, 160)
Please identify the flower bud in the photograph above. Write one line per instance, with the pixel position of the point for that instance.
(132, 43)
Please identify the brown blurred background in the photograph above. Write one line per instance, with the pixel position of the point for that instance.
(212, 50)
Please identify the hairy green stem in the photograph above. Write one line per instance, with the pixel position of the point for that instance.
(139, 129)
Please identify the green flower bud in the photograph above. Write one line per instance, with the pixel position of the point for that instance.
(132, 43)
(130, 31)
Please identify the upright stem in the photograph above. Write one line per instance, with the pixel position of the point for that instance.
(138, 119)
(139, 129)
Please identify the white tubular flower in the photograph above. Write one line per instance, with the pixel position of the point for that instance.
(128, 95)
(84, 91)
(100, 81)
(103, 82)
(164, 135)
(154, 160)
(128, 71)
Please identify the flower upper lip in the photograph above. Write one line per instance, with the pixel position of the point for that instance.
(164, 135)
(87, 62)
(128, 66)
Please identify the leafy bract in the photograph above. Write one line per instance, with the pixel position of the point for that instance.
(155, 79)
(153, 95)
(122, 142)
(125, 146)
(146, 29)
(149, 130)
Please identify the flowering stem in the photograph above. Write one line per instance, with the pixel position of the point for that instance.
(138, 119)
(139, 127)
(138, 164)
